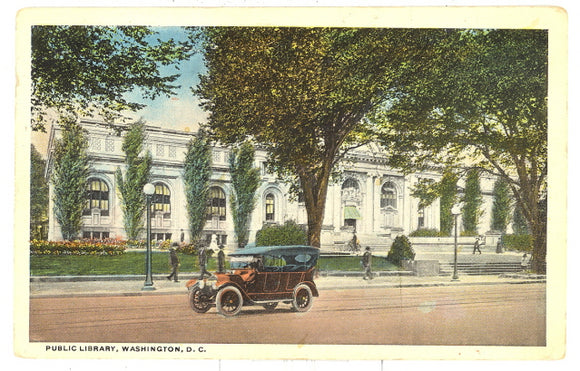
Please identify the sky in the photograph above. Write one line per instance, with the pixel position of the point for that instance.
(181, 110)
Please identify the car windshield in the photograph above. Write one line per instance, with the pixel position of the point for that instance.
(240, 262)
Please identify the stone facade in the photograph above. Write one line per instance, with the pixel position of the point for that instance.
(370, 199)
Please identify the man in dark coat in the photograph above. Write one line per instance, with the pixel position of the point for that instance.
(366, 263)
(174, 263)
(202, 263)
(476, 246)
(221, 260)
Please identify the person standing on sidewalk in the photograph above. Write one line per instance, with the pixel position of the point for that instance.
(366, 263)
(476, 246)
(202, 256)
(221, 260)
(499, 247)
(174, 263)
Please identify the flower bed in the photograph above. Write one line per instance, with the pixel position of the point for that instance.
(78, 247)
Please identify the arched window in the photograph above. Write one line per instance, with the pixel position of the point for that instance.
(161, 201)
(388, 195)
(270, 207)
(97, 197)
(350, 183)
(216, 204)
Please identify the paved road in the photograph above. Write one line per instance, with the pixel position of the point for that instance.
(453, 315)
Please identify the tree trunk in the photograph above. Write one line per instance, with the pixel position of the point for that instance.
(315, 188)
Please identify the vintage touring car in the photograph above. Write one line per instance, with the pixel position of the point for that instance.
(263, 275)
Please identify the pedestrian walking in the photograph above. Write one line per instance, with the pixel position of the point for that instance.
(366, 263)
(202, 257)
(221, 260)
(476, 246)
(173, 263)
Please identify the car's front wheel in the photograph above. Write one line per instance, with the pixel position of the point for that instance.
(302, 298)
(199, 301)
(229, 301)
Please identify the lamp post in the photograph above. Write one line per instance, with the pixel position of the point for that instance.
(455, 210)
(148, 190)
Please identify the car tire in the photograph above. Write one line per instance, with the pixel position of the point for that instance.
(302, 298)
(198, 301)
(229, 301)
(270, 306)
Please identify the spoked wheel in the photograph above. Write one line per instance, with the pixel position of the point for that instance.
(302, 299)
(229, 301)
(270, 306)
(199, 301)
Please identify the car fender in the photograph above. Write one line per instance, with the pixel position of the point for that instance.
(189, 284)
(312, 287)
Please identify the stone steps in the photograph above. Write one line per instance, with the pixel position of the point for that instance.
(490, 268)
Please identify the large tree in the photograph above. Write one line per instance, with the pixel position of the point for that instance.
(302, 93)
(481, 99)
(38, 195)
(136, 175)
(245, 182)
(70, 173)
(88, 69)
(196, 178)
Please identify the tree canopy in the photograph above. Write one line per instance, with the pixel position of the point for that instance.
(481, 101)
(88, 69)
(303, 93)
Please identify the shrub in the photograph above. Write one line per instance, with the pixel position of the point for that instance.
(78, 247)
(401, 249)
(280, 235)
(519, 242)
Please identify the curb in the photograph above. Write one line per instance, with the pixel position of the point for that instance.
(137, 277)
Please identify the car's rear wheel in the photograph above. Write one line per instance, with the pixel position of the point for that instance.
(270, 306)
(302, 298)
(199, 301)
(229, 301)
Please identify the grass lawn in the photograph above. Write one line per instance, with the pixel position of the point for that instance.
(133, 262)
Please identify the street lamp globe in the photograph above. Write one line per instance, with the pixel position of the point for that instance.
(456, 210)
(149, 189)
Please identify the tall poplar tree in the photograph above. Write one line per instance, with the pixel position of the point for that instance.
(472, 201)
(69, 178)
(130, 185)
(448, 197)
(196, 178)
(38, 195)
(245, 182)
(502, 206)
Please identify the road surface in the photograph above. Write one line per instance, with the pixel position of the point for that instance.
(451, 315)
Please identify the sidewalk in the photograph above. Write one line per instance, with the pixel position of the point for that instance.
(132, 285)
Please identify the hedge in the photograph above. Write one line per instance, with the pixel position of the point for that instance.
(78, 247)
(279, 235)
(519, 242)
